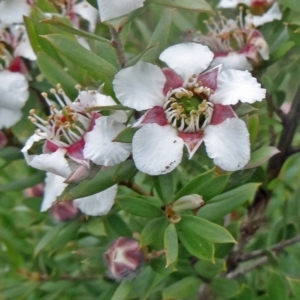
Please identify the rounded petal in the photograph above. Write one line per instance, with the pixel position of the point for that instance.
(9, 117)
(141, 86)
(157, 149)
(234, 86)
(272, 14)
(110, 9)
(232, 3)
(187, 59)
(24, 48)
(54, 187)
(98, 204)
(233, 60)
(12, 11)
(228, 144)
(87, 12)
(99, 147)
(13, 90)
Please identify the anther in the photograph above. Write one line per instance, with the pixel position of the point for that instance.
(45, 95)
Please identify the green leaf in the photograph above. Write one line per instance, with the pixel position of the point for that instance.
(208, 269)
(223, 204)
(246, 293)
(224, 287)
(164, 187)
(171, 244)
(47, 239)
(292, 4)
(109, 107)
(295, 287)
(153, 230)
(126, 135)
(101, 181)
(276, 287)
(55, 74)
(117, 224)
(140, 207)
(206, 184)
(185, 288)
(280, 52)
(195, 243)
(260, 156)
(22, 184)
(145, 55)
(158, 264)
(244, 109)
(159, 36)
(64, 27)
(84, 58)
(10, 153)
(122, 291)
(206, 229)
(197, 5)
(253, 126)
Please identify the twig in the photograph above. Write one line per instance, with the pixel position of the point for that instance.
(118, 46)
(276, 248)
(259, 263)
(257, 209)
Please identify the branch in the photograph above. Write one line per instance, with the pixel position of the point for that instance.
(118, 46)
(276, 248)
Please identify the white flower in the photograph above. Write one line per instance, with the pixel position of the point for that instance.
(95, 205)
(235, 43)
(186, 107)
(270, 9)
(14, 93)
(111, 9)
(12, 11)
(67, 132)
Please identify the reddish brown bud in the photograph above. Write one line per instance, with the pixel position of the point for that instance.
(64, 211)
(123, 259)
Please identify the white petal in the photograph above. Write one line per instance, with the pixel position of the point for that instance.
(53, 162)
(187, 59)
(233, 60)
(87, 12)
(232, 3)
(235, 85)
(157, 149)
(98, 204)
(228, 144)
(141, 86)
(272, 14)
(13, 90)
(24, 48)
(12, 11)
(54, 187)
(9, 117)
(99, 147)
(110, 9)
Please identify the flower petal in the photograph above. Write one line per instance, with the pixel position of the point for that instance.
(24, 48)
(173, 80)
(232, 60)
(192, 141)
(272, 14)
(87, 12)
(221, 113)
(209, 78)
(99, 147)
(153, 115)
(13, 90)
(232, 3)
(228, 144)
(12, 11)
(141, 86)
(9, 117)
(187, 59)
(157, 149)
(110, 9)
(98, 204)
(54, 187)
(234, 86)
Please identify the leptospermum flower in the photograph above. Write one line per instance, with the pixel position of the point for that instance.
(261, 11)
(235, 44)
(186, 107)
(69, 134)
(111, 9)
(12, 11)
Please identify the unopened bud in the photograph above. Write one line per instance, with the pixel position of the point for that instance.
(3, 140)
(123, 259)
(34, 191)
(187, 203)
(63, 211)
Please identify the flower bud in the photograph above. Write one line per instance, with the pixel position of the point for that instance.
(34, 191)
(123, 259)
(188, 202)
(3, 140)
(63, 211)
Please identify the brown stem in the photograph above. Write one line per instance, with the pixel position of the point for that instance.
(118, 46)
(257, 209)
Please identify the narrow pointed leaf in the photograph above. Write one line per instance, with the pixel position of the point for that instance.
(260, 156)
(126, 135)
(171, 244)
